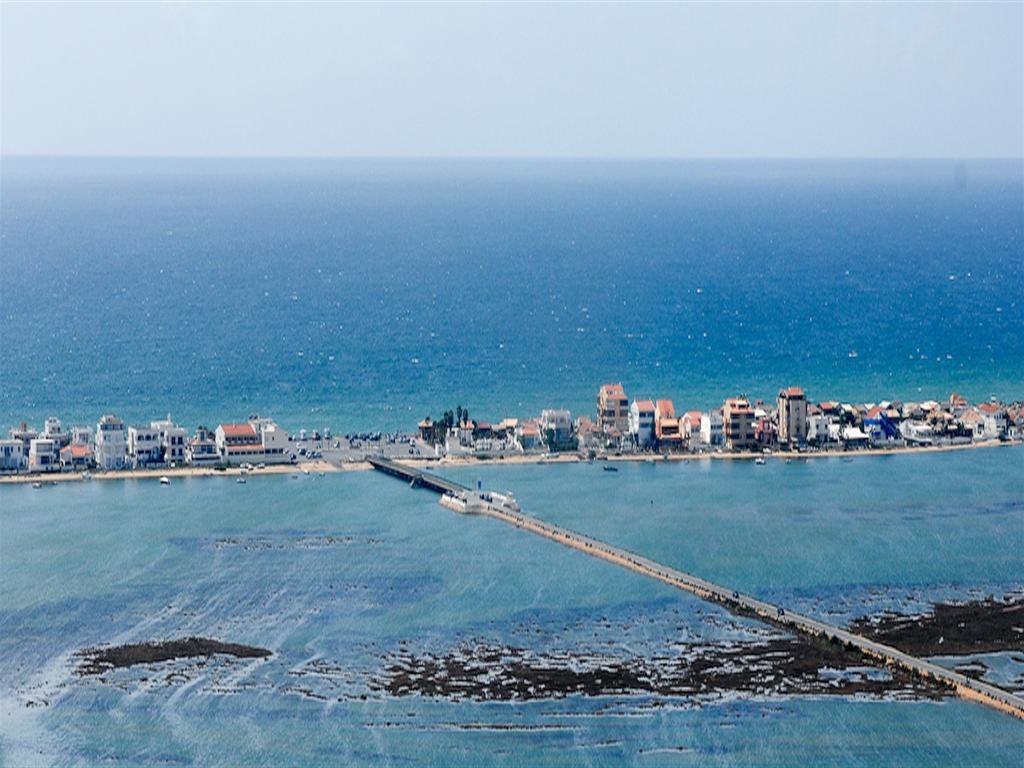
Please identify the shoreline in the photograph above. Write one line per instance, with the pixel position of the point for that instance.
(323, 466)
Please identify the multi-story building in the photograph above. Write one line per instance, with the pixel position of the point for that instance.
(689, 425)
(25, 435)
(792, 412)
(273, 439)
(202, 448)
(76, 456)
(556, 428)
(52, 430)
(712, 430)
(255, 440)
(12, 455)
(110, 446)
(641, 422)
(994, 417)
(144, 447)
(738, 423)
(528, 435)
(172, 440)
(81, 434)
(612, 409)
(43, 455)
(666, 425)
(238, 443)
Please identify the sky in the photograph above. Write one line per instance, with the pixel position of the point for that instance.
(513, 80)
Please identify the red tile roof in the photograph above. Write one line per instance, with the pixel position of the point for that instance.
(793, 392)
(666, 408)
(238, 430)
(77, 450)
(990, 408)
(645, 405)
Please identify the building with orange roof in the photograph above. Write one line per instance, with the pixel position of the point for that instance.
(792, 415)
(666, 425)
(689, 426)
(254, 440)
(738, 424)
(612, 409)
(994, 417)
(641, 422)
(76, 456)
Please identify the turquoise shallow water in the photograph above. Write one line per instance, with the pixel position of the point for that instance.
(335, 573)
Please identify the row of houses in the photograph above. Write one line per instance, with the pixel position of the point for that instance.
(793, 422)
(113, 445)
(553, 430)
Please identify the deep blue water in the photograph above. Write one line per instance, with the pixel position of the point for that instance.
(365, 294)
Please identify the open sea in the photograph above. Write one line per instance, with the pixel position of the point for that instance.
(367, 294)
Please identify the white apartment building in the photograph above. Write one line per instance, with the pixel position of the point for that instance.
(253, 441)
(53, 430)
(559, 423)
(111, 447)
(81, 435)
(712, 430)
(12, 455)
(172, 440)
(144, 447)
(43, 455)
(641, 422)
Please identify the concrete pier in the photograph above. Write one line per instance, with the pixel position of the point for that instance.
(963, 686)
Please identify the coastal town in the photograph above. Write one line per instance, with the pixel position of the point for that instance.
(621, 427)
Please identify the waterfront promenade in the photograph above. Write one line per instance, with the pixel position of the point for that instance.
(347, 460)
(962, 685)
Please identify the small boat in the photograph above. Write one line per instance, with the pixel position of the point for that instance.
(305, 471)
(240, 481)
(609, 468)
(37, 484)
(759, 460)
(165, 480)
(87, 475)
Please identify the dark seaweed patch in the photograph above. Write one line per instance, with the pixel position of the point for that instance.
(96, 661)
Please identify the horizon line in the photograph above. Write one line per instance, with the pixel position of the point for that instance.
(532, 158)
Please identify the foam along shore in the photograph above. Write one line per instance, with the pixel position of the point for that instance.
(324, 466)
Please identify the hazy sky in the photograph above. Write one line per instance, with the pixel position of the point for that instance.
(692, 80)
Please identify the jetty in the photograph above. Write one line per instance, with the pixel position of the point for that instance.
(484, 504)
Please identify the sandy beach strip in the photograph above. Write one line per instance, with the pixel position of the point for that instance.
(324, 466)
